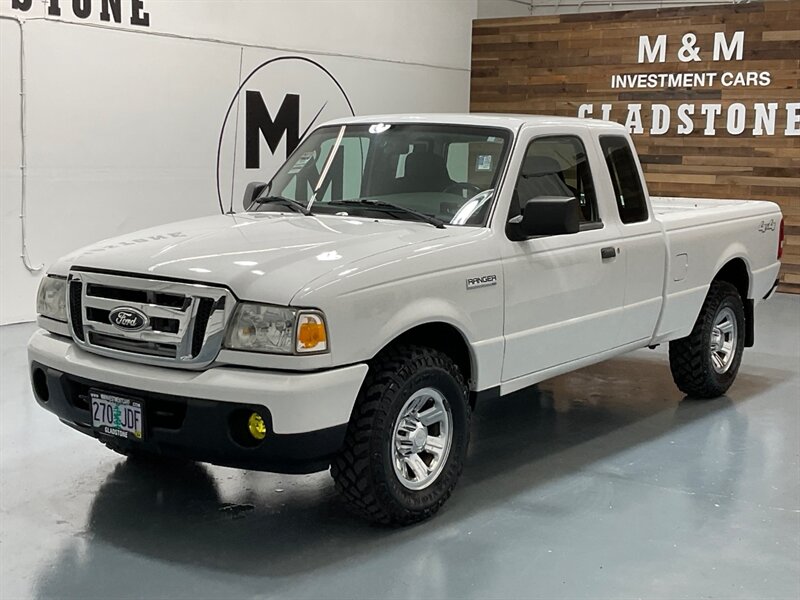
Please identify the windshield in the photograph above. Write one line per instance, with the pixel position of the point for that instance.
(448, 172)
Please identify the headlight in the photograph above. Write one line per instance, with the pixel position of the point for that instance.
(51, 301)
(277, 330)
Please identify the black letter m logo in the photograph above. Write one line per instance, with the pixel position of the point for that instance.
(258, 120)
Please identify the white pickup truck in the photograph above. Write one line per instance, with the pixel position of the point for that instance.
(394, 271)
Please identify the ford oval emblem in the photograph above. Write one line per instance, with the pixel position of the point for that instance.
(128, 319)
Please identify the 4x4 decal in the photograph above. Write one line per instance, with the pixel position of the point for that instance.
(767, 226)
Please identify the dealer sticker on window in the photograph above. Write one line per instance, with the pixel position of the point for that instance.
(483, 162)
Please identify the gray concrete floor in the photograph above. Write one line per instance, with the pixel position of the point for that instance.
(603, 483)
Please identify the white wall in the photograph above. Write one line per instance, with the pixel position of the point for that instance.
(122, 121)
(496, 9)
(490, 9)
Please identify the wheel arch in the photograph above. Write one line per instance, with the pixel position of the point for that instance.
(444, 337)
(737, 272)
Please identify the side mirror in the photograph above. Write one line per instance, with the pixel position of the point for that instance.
(546, 215)
(251, 192)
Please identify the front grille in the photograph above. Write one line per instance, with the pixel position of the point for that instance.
(201, 323)
(139, 296)
(180, 324)
(135, 346)
(166, 325)
(101, 315)
(75, 310)
(98, 315)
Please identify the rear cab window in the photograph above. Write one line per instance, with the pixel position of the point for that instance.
(628, 191)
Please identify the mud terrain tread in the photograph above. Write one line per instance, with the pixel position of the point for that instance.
(689, 357)
(359, 479)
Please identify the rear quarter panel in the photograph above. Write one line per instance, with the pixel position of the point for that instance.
(702, 237)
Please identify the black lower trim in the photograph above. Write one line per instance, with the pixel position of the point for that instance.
(492, 393)
(194, 428)
(749, 324)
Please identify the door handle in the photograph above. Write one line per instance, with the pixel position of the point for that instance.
(608, 252)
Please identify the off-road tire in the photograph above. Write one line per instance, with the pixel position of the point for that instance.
(363, 471)
(690, 357)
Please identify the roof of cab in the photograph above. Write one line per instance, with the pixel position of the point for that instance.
(509, 121)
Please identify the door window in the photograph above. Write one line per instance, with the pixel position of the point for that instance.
(631, 203)
(556, 166)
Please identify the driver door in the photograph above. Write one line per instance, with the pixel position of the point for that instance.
(564, 294)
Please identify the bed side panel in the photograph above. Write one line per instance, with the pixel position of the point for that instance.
(703, 236)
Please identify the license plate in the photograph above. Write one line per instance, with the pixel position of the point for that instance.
(117, 416)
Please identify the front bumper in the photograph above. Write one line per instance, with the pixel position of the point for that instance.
(197, 414)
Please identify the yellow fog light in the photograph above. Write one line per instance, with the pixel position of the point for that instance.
(256, 426)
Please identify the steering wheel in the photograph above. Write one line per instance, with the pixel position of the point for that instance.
(459, 188)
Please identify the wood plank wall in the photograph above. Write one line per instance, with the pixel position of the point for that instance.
(554, 64)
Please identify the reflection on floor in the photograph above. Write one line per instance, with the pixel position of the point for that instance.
(601, 483)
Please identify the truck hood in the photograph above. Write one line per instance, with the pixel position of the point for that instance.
(267, 257)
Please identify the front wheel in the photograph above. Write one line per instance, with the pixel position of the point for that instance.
(705, 363)
(407, 439)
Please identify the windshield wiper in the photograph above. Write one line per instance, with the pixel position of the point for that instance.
(389, 207)
(287, 202)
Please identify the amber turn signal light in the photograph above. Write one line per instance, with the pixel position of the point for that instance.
(311, 333)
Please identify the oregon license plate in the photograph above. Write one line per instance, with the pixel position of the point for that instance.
(117, 416)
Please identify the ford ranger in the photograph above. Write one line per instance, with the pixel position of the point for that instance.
(395, 271)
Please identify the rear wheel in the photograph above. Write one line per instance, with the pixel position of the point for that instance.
(705, 363)
(407, 439)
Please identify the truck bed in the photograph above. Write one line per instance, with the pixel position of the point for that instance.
(702, 235)
(676, 213)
